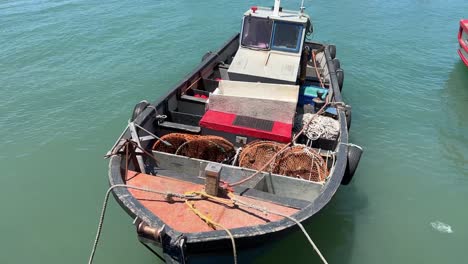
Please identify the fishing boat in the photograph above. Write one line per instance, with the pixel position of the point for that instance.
(252, 143)
(463, 41)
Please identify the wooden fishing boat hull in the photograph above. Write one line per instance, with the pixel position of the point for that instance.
(177, 246)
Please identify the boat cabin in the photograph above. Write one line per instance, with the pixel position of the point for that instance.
(271, 45)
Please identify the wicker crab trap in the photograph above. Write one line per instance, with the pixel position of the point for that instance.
(211, 148)
(297, 161)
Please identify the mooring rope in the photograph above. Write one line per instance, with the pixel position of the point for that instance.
(262, 209)
(167, 195)
(191, 196)
(351, 145)
(316, 69)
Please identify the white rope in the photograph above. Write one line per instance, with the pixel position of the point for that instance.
(351, 145)
(318, 126)
(233, 242)
(236, 156)
(290, 218)
(181, 245)
(168, 195)
(308, 237)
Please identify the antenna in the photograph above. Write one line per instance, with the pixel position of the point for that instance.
(302, 6)
(276, 8)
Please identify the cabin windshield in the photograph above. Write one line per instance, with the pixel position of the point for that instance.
(256, 32)
(287, 36)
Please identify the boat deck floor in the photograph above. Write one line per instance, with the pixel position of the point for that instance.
(179, 216)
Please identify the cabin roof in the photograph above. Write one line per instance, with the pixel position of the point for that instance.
(284, 15)
(267, 64)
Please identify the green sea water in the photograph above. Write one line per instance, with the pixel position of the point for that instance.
(71, 72)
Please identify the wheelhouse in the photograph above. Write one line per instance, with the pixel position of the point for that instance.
(271, 45)
(269, 34)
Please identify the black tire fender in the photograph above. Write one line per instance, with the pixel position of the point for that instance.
(337, 63)
(340, 78)
(354, 156)
(138, 109)
(332, 50)
(348, 118)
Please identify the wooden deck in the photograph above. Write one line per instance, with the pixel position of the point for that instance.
(179, 216)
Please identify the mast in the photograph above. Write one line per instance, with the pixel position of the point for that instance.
(276, 8)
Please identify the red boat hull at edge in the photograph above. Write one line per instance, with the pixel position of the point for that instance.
(463, 41)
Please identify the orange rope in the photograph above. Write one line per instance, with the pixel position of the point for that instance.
(316, 70)
(192, 84)
(210, 222)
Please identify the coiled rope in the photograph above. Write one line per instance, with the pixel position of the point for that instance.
(319, 127)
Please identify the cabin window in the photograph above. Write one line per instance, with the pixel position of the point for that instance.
(256, 33)
(287, 36)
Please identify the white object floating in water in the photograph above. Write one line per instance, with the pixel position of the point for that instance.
(442, 227)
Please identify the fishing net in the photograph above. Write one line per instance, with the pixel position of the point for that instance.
(212, 148)
(256, 154)
(297, 161)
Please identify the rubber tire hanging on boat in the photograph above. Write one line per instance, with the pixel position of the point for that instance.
(348, 118)
(337, 63)
(354, 156)
(139, 109)
(340, 78)
(332, 50)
